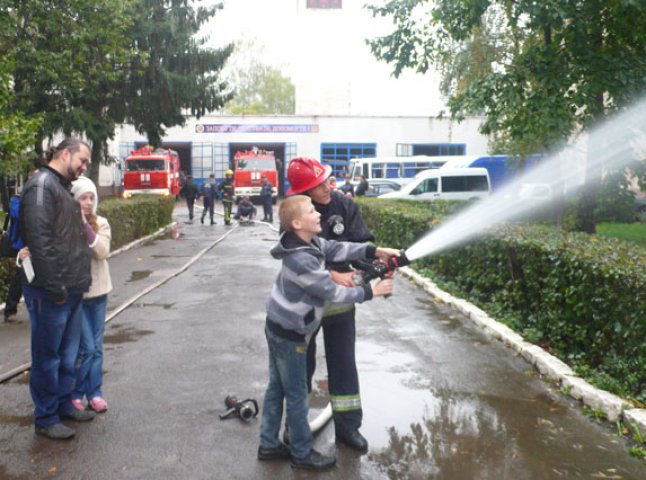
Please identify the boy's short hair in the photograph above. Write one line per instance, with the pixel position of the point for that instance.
(291, 209)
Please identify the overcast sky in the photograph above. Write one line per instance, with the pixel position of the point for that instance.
(329, 44)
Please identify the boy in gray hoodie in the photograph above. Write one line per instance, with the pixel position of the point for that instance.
(294, 311)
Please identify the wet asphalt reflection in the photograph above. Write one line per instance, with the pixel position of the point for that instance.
(453, 403)
(441, 400)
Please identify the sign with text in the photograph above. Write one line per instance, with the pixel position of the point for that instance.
(324, 3)
(255, 128)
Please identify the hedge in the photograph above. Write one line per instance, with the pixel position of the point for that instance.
(129, 220)
(580, 296)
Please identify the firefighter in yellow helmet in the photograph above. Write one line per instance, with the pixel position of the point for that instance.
(226, 190)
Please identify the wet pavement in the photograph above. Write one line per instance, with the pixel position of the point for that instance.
(441, 399)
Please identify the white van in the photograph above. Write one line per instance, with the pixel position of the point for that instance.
(446, 184)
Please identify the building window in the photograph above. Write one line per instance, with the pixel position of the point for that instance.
(324, 3)
(439, 149)
(337, 154)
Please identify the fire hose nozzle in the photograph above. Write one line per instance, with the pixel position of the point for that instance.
(370, 271)
(243, 409)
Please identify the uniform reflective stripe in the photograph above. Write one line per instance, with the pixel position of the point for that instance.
(344, 403)
(339, 310)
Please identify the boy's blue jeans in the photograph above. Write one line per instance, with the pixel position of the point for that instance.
(55, 337)
(287, 381)
(89, 363)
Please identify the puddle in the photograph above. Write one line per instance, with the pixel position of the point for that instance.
(22, 421)
(125, 335)
(139, 275)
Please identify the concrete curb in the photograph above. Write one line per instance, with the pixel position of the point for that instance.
(614, 407)
(130, 245)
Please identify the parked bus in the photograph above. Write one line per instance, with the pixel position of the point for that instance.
(399, 169)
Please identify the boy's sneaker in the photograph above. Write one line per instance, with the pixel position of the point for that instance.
(78, 404)
(314, 461)
(281, 452)
(98, 404)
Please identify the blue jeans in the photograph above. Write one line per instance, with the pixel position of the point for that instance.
(287, 381)
(89, 363)
(55, 337)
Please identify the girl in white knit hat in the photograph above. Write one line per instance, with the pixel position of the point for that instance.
(89, 364)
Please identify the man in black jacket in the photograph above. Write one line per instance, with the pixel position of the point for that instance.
(190, 193)
(52, 228)
(340, 220)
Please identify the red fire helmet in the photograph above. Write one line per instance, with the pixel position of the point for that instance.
(306, 173)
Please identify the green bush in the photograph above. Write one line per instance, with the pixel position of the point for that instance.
(136, 217)
(129, 220)
(583, 297)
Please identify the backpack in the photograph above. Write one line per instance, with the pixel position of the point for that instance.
(11, 239)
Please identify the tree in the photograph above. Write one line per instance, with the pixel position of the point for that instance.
(258, 88)
(17, 132)
(70, 67)
(176, 74)
(88, 65)
(560, 65)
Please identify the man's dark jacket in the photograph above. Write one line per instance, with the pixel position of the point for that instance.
(52, 228)
(190, 190)
(208, 192)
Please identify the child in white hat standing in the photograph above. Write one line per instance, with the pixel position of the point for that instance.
(89, 364)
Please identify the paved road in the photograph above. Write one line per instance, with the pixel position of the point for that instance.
(441, 399)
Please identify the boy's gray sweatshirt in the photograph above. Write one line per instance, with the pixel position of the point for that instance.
(304, 286)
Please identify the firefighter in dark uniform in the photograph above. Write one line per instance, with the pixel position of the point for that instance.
(226, 189)
(340, 220)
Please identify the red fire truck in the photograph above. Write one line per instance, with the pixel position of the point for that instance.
(150, 171)
(249, 168)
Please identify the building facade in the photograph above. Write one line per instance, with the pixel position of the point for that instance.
(209, 144)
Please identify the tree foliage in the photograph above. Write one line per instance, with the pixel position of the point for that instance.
(17, 131)
(536, 70)
(176, 74)
(87, 65)
(71, 65)
(258, 88)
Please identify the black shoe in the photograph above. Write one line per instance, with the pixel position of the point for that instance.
(202, 220)
(212, 222)
(281, 452)
(58, 431)
(314, 461)
(79, 415)
(354, 440)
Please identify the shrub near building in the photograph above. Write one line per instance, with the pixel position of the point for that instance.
(129, 220)
(582, 297)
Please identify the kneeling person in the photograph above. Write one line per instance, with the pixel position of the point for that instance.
(246, 210)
